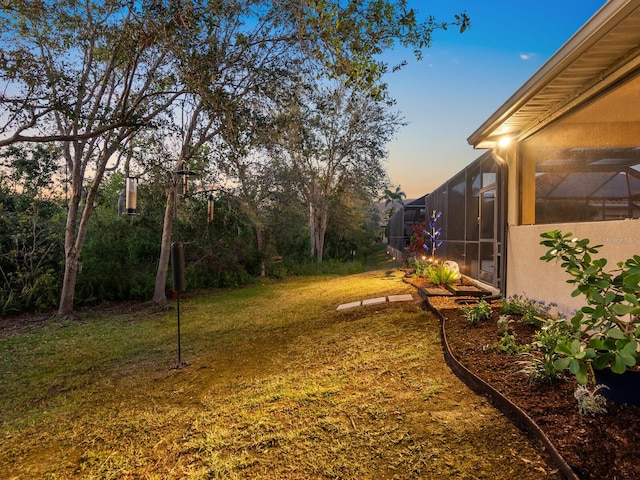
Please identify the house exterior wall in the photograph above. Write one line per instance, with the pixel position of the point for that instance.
(587, 175)
(573, 164)
(528, 275)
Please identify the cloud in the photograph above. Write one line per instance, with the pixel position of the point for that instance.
(527, 56)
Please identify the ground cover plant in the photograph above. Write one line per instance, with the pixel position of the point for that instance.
(281, 385)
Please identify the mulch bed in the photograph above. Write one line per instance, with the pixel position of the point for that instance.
(604, 447)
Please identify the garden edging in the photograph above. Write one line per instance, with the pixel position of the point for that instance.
(516, 415)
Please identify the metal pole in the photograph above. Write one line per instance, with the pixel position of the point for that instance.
(179, 349)
(177, 259)
(175, 231)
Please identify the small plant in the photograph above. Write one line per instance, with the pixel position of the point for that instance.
(590, 402)
(416, 244)
(541, 366)
(533, 312)
(441, 274)
(538, 370)
(509, 345)
(417, 265)
(481, 311)
(504, 323)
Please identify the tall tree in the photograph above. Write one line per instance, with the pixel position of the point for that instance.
(249, 51)
(239, 53)
(334, 135)
(391, 197)
(92, 74)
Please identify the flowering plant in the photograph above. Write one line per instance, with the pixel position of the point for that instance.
(605, 331)
(416, 244)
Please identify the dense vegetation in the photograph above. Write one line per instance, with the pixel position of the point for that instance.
(273, 110)
(119, 260)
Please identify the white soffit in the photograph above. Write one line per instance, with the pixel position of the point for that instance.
(608, 41)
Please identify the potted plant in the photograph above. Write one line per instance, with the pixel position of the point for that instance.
(606, 330)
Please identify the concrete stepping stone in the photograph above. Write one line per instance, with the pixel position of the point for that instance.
(345, 306)
(374, 301)
(401, 298)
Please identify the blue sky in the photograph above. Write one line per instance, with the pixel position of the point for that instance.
(464, 78)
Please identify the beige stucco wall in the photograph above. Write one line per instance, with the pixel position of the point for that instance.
(528, 275)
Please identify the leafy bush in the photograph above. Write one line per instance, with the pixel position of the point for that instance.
(509, 345)
(436, 273)
(541, 367)
(606, 331)
(419, 266)
(31, 249)
(440, 274)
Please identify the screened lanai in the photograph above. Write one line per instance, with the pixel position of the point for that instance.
(400, 226)
(570, 139)
(586, 164)
(473, 219)
(587, 184)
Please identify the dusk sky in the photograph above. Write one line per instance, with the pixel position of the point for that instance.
(464, 78)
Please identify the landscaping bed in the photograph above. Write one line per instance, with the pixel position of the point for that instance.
(603, 447)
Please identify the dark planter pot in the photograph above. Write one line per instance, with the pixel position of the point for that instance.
(622, 387)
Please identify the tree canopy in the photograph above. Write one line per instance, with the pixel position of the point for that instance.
(96, 80)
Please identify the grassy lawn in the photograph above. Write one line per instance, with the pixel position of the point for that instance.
(280, 385)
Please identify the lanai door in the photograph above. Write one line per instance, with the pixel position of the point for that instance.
(488, 235)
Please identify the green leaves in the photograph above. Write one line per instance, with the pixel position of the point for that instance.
(576, 357)
(607, 328)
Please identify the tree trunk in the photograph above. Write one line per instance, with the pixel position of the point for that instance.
(312, 230)
(73, 242)
(65, 308)
(159, 292)
(260, 244)
(318, 216)
(321, 229)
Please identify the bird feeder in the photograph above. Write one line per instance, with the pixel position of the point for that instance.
(131, 195)
(210, 208)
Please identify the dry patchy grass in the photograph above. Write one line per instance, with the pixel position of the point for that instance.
(280, 386)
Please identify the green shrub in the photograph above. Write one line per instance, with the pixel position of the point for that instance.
(534, 312)
(606, 331)
(540, 367)
(508, 344)
(480, 311)
(440, 274)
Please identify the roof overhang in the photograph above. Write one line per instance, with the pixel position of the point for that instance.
(603, 50)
